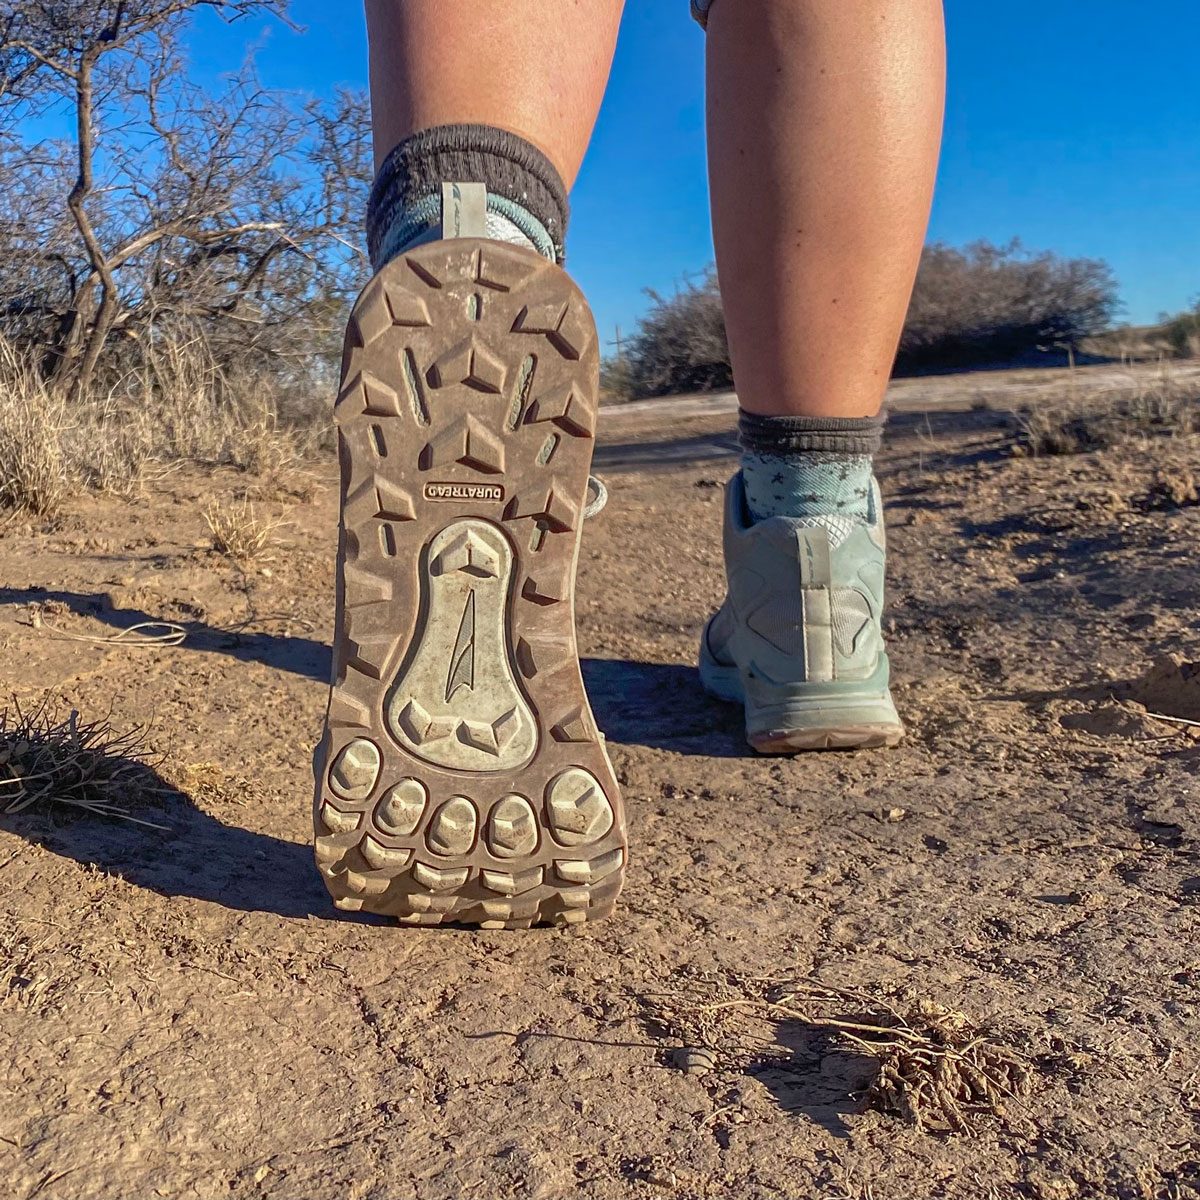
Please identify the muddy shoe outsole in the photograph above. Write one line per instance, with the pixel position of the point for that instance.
(856, 737)
(461, 778)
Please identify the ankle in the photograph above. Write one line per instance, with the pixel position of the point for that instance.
(524, 203)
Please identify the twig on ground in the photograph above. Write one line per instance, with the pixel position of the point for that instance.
(134, 636)
(937, 1069)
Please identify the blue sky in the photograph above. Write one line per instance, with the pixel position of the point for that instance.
(1074, 127)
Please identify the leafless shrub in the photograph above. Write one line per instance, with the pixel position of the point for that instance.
(680, 344)
(172, 209)
(987, 303)
(980, 304)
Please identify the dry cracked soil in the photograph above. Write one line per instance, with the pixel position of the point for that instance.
(184, 1014)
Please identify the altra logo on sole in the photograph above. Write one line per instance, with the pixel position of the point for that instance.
(464, 491)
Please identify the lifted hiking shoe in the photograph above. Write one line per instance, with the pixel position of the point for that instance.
(797, 641)
(461, 777)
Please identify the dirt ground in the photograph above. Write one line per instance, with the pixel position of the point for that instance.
(184, 1014)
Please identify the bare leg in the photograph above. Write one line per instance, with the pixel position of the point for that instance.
(824, 124)
(824, 127)
(531, 68)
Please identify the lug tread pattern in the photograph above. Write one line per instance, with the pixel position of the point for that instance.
(396, 836)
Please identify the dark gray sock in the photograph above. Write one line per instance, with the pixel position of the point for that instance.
(797, 435)
(524, 191)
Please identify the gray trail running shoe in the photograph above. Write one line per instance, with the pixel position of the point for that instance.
(797, 640)
(461, 777)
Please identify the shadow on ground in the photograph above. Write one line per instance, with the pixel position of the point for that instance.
(928, 433)
(198, 856)
(299, 655)
(660, 705)
(666, 452)
(810, 1075)
(194, 855)
(663, 706)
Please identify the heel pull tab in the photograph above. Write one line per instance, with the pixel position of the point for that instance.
(816, 570)
(464, 210)
(816, 597)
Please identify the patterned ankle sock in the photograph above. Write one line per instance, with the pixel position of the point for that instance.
(525, 201)
(809, 467)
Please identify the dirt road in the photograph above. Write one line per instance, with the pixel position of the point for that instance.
(183, 1013)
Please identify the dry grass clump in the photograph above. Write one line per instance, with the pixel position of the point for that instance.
(937, 1069)
(1080, 423)
(237, 531)
(198, 410)
(176, 404)
(1175, 485)
(79, 765)
(36, 471)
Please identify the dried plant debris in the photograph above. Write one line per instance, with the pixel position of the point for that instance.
(29, 978)
(81, 765)
(238, 532)
(1079, 423)
(936, 1069)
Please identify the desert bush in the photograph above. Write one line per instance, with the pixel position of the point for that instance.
(1182, 332)
(680, 344)
(229, 212)
(987, 303)
(979, 304)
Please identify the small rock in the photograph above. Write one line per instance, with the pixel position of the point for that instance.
(694, 1060)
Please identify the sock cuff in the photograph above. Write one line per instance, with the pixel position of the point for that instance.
(772, 436)
(508, 165)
